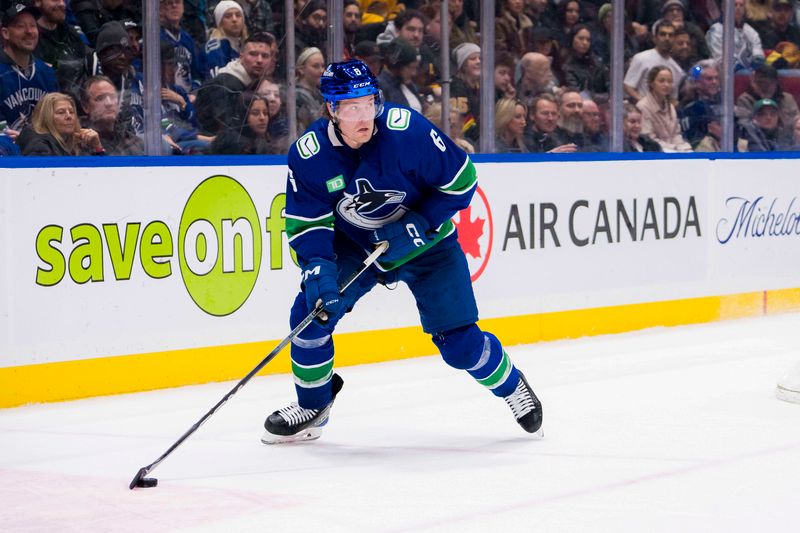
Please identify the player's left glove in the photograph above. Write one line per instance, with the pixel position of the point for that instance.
(404, 236)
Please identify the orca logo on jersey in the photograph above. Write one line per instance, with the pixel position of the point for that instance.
(371, 208)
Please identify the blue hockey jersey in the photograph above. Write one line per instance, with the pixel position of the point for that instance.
(407, 165)
(20, 89)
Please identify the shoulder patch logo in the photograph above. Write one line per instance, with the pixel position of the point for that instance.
(398, 119)
(335, 184)
(308, 145)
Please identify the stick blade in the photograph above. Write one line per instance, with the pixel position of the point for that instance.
(139, 481)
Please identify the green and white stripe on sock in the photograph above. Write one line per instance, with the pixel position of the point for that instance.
(499, 375)
(312, 376)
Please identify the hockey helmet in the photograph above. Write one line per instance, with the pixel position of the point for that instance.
(348, 80)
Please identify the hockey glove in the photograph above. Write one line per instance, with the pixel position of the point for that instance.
(319, 280)
(403, 236)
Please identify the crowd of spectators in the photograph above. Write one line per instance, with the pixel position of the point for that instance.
(71, 79)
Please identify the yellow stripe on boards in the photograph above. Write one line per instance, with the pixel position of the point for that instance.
(68, 380)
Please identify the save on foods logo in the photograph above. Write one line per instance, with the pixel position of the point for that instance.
(219, 247)
(475, 230)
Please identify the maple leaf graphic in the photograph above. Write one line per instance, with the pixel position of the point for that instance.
(469, 231)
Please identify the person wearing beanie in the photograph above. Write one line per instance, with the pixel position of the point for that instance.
(189, 56)
(113, 58)
(601, 36)
(401, 64)
(224, 41)
(466, 84)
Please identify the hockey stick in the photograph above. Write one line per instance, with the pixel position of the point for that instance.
(139, 480)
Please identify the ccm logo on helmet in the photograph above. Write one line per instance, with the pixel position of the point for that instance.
(359, 85)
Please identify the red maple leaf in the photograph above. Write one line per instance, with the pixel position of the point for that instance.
(469, 231)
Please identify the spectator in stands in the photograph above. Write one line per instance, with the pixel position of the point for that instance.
(369, 53)
(93, 14)
(675, 12)
(659, 117)
(225, 40)
(311, 27)
(61, 47)
(410, 26)
(764, 132)
(540, 134)
(309, 69)
(509, 126)
(252, 137)
(114, 57)
(510, 28)
(711, 140)
(635, 82)
(568, 15)
(467, 83)
(463, 29)
(582, 69)
(351, 17)
(504, 76)
(135, 39)
(434, 113)
(780, 28)
(704, 101)
(542, 13)
(634, 141)
(24, 79)
(570, 120)
(55, 130)
(178, 118)
(764, 84)
(747, 43)
(757, 13)
(594, 137)
(542, 41)
(219, 101)
(601, 37)
(397, 78)
(258, 14)
(101, 104)
(684, 50)
(278, 121)
(536, 78)
(189, 57)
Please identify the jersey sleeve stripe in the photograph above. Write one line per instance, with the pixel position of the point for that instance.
(298, 225)
(465, 179)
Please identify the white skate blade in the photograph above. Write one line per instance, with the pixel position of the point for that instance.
(787, 395)
(307, 434)
(538, 434)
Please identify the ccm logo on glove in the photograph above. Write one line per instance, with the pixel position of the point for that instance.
(404, 236)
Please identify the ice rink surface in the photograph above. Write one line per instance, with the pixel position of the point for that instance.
(663, 430)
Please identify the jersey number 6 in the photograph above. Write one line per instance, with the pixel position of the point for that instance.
(438, 141)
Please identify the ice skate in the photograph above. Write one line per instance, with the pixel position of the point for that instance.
(296, 424)
(526, 407)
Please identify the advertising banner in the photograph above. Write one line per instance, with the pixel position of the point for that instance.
(100, 262)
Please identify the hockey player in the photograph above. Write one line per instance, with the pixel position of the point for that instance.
(364, 174)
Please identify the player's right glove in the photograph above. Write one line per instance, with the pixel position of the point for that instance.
(319, 280)
(403, 236)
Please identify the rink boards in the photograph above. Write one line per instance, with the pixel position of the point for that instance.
(137, 276)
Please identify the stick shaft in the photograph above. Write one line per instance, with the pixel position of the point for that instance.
(270, 356)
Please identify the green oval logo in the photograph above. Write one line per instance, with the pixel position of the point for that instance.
(219, 245)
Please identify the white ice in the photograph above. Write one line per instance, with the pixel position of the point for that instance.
(663, 430)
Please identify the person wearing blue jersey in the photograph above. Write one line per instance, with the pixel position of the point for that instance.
(24, 79)
(353, 183)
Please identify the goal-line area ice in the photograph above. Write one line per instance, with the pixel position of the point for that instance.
(661, 430)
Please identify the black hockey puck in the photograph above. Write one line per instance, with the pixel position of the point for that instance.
(142, 482)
